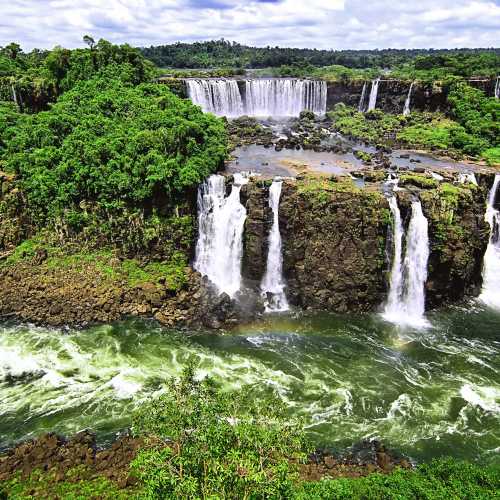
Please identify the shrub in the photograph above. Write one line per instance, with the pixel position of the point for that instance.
(219, 445)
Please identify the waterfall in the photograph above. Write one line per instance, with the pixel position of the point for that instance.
(14, 95)
(396, 282)
(406, 300)
(406, 109)
(361, 105)
(490, 293)
(497, 88)
(284, 97)
(219, 249)
(372, 104)
(218, 96)
(262, 97)
(273, 283)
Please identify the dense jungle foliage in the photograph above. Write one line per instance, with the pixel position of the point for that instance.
(202, 443)
(223, 53)
(39, 77)
(110, 139)
(98, 162)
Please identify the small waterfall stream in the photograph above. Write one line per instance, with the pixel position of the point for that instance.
(273, 283)
(372, 103)
(221, 219)
(361, 105)
(406, 301)
(262, 96)
(407, 107)
(497, 88)
(490, 294)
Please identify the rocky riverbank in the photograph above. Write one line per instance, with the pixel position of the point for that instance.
(60, 457)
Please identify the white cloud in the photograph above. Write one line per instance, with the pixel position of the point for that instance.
(313, 23)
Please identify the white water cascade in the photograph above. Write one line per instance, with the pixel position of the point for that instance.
(497, 88)
(262, 96)
(284, 96)
(219, 249)
(273, 283)
(406, 301)
(361, 105)
(490, 293)
(372, 103)
(407, 107)
(218, 96)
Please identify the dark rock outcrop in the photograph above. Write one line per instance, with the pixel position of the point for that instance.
(60, 455)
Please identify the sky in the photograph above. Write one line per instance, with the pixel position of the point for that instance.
(325, 24)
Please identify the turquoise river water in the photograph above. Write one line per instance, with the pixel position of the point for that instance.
(425, 393)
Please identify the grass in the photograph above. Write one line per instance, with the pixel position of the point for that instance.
(419, 180)
(171, 272)
(77, 484)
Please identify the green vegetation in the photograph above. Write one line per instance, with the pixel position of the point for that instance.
(419, 180)
(78, 484)
(223, 445)
(473, 129)
(375, 127)
(443, 66)
(39, 77)
(201, 442)
(114, 144)
(115, 161)
(438, 480)
(225, 54)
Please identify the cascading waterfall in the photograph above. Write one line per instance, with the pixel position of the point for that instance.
(490, 293)
(406, 301)
(273, 283)
(284, 97)
(497, 88)
(396, 282)
(262, 97)
(219, 249)
(361, 105)
(407, 107)
(219, 96)
(372, 103)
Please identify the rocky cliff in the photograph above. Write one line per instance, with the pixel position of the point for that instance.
(337, 239)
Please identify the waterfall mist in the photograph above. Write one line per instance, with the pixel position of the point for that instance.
(221, 219)
(273, 283)
(490, 293)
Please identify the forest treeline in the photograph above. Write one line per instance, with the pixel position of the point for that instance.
(223, 53)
